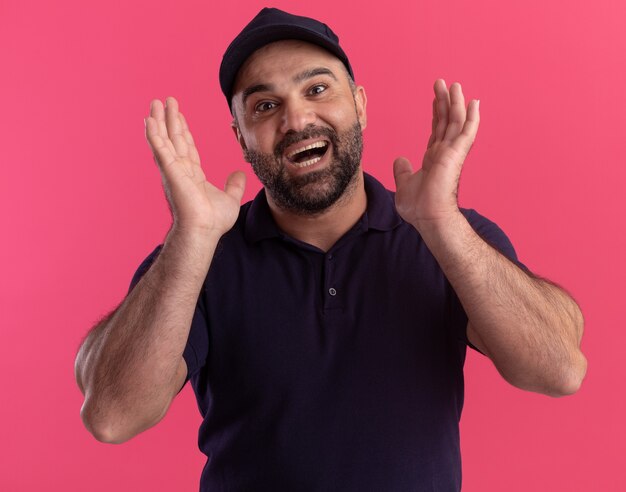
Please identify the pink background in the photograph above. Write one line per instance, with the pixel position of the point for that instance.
(82, 206)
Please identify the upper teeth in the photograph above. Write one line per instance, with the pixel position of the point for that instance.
(314, 145)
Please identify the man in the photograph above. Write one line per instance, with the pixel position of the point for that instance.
(323, 325)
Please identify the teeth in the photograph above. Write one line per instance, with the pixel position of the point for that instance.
(307, 163)
(314, 145)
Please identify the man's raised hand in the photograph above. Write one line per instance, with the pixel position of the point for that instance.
(197, 206)
(429, 195)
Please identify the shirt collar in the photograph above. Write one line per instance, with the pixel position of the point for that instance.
(381, 211)
(380, 214)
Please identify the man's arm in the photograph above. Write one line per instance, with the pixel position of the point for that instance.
(528, 327)
(130, 366)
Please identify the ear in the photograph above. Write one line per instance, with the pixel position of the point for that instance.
(360, 101)
(238, 135)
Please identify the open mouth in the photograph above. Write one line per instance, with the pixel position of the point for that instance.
(308, 155)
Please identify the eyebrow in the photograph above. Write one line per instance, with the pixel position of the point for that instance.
(297, 79)
(313, 72)
(255, 88)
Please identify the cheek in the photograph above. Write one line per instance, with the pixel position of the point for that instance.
(251, 140)
(342, 115)
(261, 139)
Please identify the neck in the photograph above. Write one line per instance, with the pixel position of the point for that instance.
(326, 228)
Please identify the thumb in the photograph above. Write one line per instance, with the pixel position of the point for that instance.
(236, 185)
(402, 169)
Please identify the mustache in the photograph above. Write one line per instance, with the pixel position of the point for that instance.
(310, 131)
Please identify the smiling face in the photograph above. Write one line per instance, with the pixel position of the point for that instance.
(299, 120)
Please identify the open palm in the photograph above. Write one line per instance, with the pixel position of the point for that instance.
(195, 203)
(430, 194)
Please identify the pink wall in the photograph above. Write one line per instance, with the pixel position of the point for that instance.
(82, 205)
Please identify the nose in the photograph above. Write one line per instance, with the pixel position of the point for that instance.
(297, 114)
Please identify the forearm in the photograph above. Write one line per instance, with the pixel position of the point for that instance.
(528, 327)
(128, 367)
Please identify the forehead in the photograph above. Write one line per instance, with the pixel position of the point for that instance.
(284, 58)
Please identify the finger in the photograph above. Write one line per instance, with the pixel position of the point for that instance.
(192, 151)
(435, 121)
(174, 127)
(185, 129)
(457, 114)
(162, 152)
(236, 185)
(156, 110)
(158, 113)
(402, 170)
(443, 104)
(467, 136)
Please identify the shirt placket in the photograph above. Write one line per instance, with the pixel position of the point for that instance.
(333, 288)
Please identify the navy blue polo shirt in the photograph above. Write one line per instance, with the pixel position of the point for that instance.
(329, 371)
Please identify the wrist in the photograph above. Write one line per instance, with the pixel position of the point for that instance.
(190, 249)
(189, 236)
(441, 225)
(452, 241)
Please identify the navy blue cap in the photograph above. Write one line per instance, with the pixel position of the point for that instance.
(271, 25)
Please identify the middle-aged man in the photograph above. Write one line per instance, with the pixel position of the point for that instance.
(324, 324)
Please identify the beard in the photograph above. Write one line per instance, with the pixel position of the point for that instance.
(315, 191)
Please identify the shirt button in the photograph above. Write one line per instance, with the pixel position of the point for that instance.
(332, 291)
(330, 257)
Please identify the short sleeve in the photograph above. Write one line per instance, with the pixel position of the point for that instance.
(197, 347)
(492, 235)
(144, 267)
(497, 239)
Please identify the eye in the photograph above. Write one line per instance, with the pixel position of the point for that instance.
(264, 106)
(318, 89)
